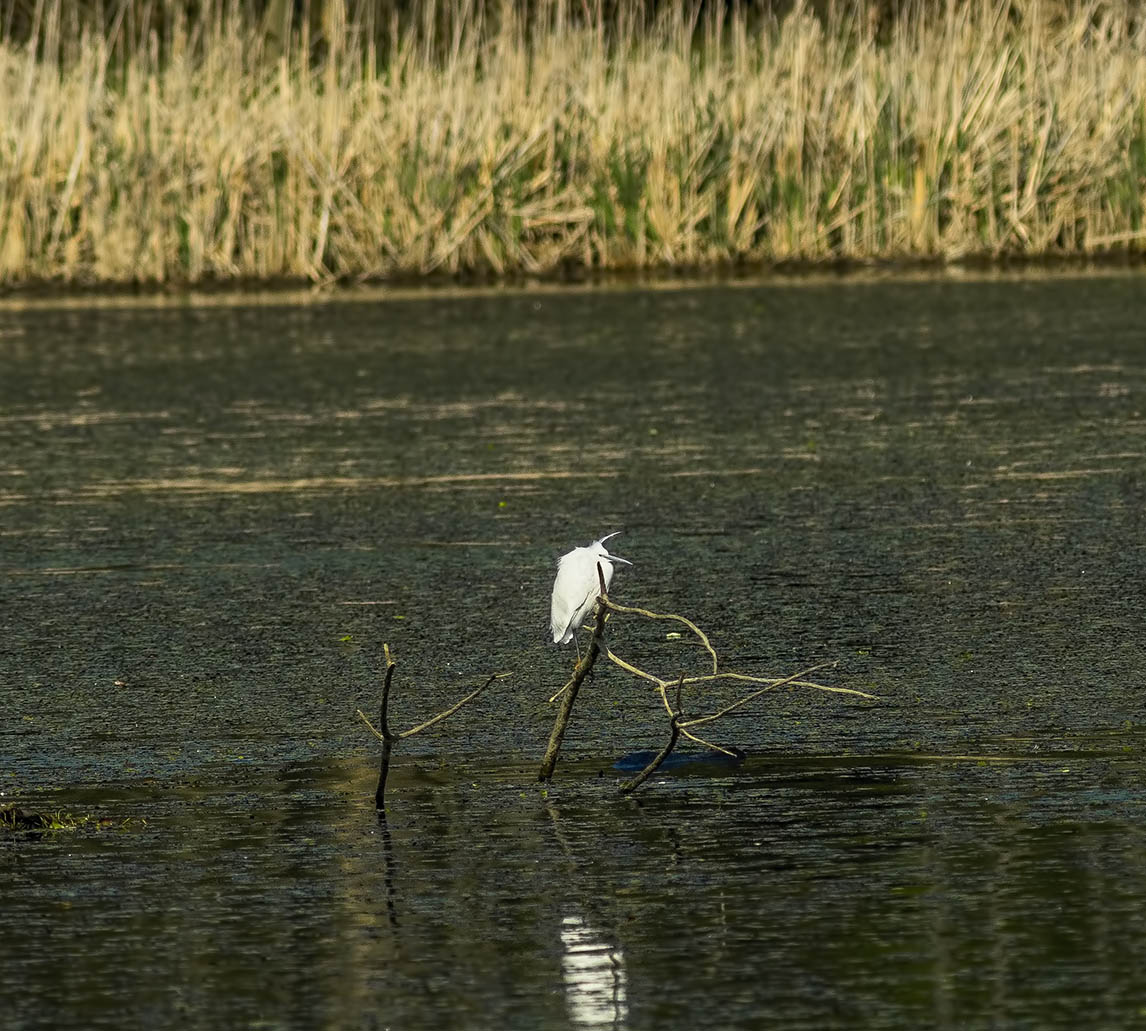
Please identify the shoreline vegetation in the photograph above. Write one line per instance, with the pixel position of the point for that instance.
(552, 141)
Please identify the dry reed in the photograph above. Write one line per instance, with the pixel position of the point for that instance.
(526, 142)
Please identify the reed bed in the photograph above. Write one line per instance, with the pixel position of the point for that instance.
(530, 140)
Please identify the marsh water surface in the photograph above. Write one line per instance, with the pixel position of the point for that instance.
(212, 515)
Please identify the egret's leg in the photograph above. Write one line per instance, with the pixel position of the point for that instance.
(578, 646)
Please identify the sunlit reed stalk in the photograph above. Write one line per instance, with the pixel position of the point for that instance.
(501, 139)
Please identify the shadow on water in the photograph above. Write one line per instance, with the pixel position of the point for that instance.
(211, 519)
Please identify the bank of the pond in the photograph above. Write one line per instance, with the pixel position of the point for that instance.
(995, 130)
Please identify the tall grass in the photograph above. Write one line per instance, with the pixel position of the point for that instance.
(526, 140)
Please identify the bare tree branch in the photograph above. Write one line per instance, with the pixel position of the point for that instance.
(756, 694)
(681, 726)
(388, 737)
(569, 692)
(629, 786)
(453, 708)
(670, 615)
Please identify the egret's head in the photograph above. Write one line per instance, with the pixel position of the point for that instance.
(599, 547)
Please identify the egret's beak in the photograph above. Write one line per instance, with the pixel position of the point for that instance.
(617, 558)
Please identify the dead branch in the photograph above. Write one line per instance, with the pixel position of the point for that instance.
(670, 615)
(453, 708)
(679, 725)
(388, 737)
(629, 786)
(770, 686)
(568, 693)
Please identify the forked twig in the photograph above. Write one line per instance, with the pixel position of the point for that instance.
(388, 737)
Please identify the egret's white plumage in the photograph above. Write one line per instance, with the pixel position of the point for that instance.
(576, 589)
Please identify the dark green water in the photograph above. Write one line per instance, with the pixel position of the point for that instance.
(212, 517)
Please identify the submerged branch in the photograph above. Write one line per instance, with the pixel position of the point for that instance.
(433, 719)
(771, 682)
(373, 729)
(777, 681)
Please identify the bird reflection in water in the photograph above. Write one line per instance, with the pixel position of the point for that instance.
(596, 986)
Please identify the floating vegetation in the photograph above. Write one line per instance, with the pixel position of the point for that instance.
(17, 821)
(525, 139)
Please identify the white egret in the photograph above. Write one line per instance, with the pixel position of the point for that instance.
(576, 589)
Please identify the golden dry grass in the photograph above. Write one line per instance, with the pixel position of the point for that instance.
(995, 128)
